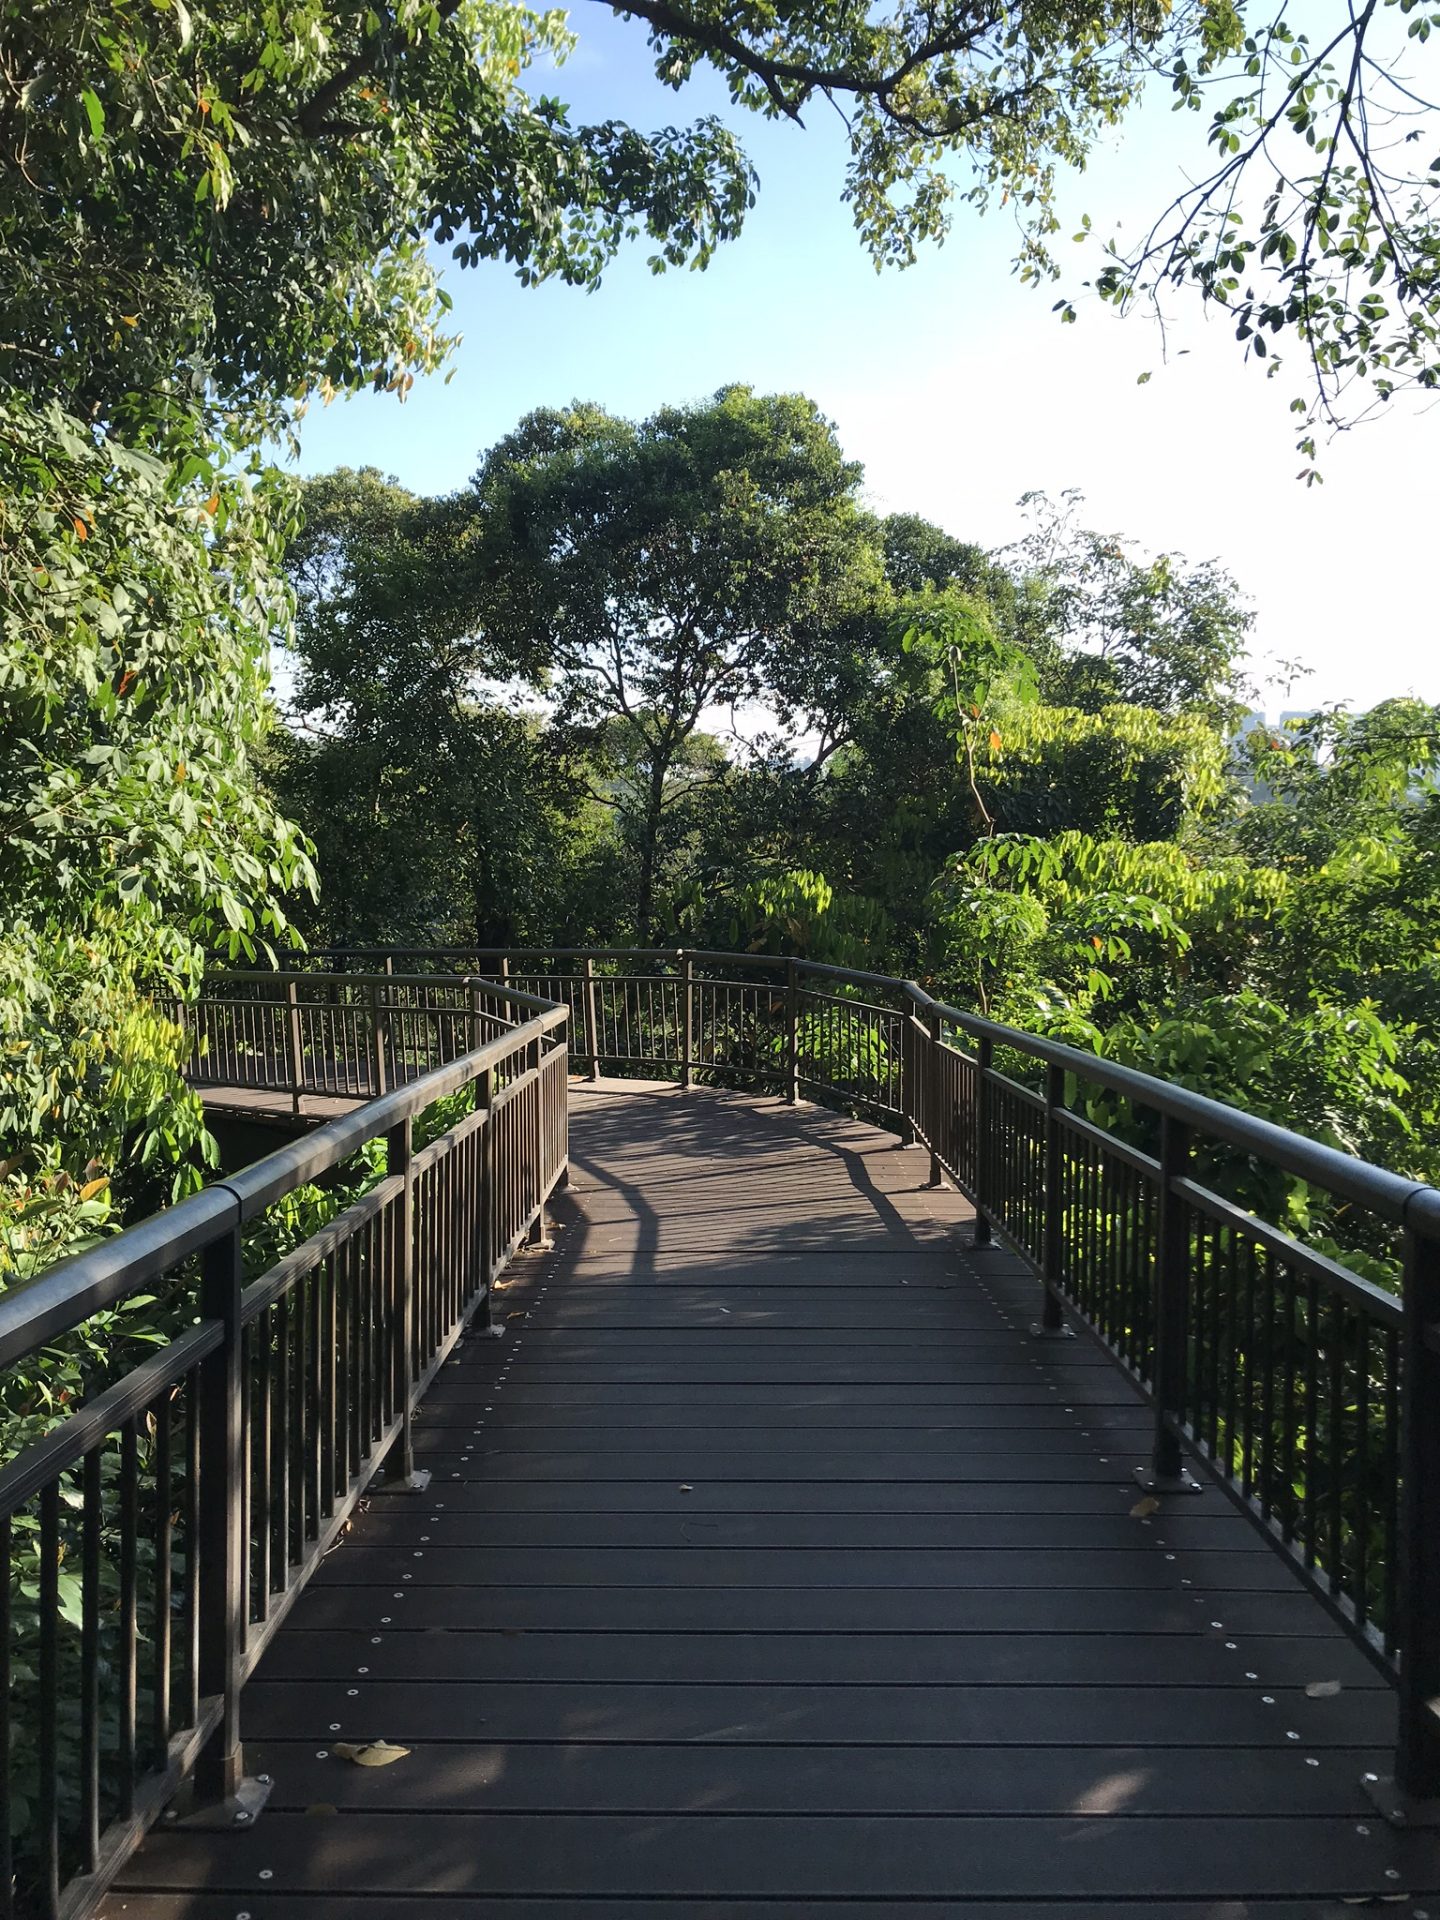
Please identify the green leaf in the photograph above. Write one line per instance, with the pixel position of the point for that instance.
(94, 112)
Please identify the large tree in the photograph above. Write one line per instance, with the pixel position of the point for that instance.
(439, 811)
(670, 567)
(208, 215)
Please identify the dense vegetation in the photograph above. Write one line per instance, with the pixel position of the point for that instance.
(666, 682)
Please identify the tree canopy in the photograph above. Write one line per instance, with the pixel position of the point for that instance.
(1016, 775)
(671, 568)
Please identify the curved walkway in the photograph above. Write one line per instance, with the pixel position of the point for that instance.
(769, 1568)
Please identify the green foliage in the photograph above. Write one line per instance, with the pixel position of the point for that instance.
(666, 569)
(133, 837)
(1129, 630)
(1123, 772)
(800, 912)
(1319, 221)
(214, 212)
(438, 812)
(1061, 926)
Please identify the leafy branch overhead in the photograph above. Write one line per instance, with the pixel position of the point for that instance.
(231, 206)
(1316, 222)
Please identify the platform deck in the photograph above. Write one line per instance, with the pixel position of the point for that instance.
(770, 1569)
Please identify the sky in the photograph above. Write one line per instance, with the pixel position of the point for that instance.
(957, 387)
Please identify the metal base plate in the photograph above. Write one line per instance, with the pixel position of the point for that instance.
(1041, 1332)
(1182, 1482)
(495, 1331)
(220, 1816)
(414, 1482)
(1401, 1809)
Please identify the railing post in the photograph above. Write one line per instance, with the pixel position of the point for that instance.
(984, 1067)
(378, 1024)
(539, 1239)
(687, 1016)
(475, 1036)
(906, 1129)
(1051, 1325)
(592, 1042)
(221, 1794)
(1412, 1798)
(297, 1058)
(792, 1032)
(485, 1321)
(929, 1082)
(1167, 1472)
(400, 1473)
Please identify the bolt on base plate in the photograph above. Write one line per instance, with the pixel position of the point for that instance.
(1401, 1809)
(414, 1482)
(1182, 1482)
(242, 1809)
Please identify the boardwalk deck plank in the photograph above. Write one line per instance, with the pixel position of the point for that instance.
(770, 1570)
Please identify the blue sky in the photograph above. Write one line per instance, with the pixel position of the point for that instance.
(955, 386)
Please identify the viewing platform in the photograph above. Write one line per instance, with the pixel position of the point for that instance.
(770, 1567)
(754, 1443)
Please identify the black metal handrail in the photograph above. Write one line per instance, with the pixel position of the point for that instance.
(197, 1492)
(1309, 1393)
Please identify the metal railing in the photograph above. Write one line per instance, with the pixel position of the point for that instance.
(351, 1036)
(1309, 1393)
(155, 1537)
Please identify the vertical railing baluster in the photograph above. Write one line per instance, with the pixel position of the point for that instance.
(129, 1612)
(220, 1768)
(1167, 1472)
(592, 1037)
(7, 1854)
(48, 1812)
(377, 1040)
(687, 1017)
(1051, 1324)
(485, 1274)
(297, 1052)
(164, 1544)
(984, 1067)
(90, 1662)
(1417, 1753)
(400, 1164)
(792, 1032)
(930, 1090)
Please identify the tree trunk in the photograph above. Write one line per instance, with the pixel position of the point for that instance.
(649, 845)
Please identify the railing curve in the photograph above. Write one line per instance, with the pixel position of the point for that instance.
(157, 1534)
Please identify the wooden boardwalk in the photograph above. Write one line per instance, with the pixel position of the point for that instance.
(771, 1569)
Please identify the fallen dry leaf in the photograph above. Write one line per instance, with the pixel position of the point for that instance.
(322, 1806)
(1142, 1509)
(377, 1753)
(1322, 1689)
